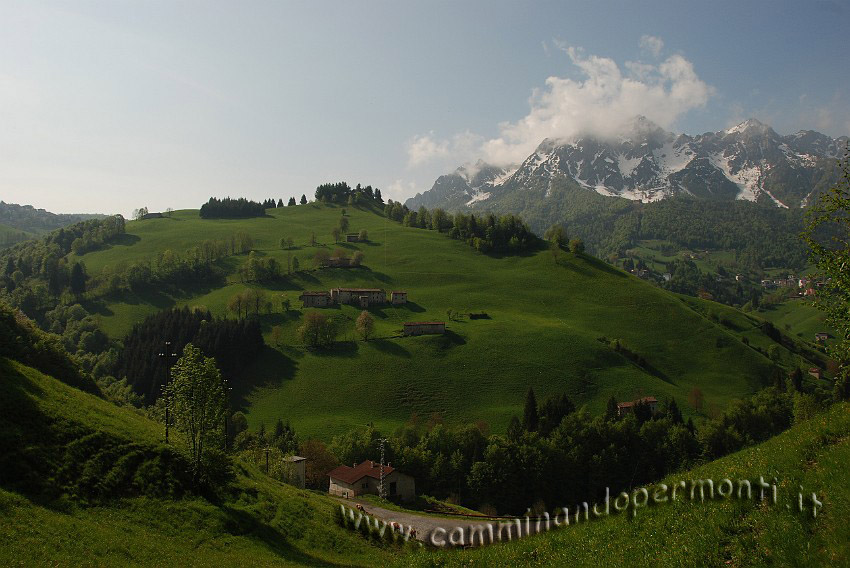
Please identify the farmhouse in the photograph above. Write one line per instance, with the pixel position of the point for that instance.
(365, 479)
(424, 328)
(816, 373)
(152, 216)
(352, 238)
(624, 408)
(299, 466)
(362, 296)
(398, 297)
(315, 299)
(821, 336)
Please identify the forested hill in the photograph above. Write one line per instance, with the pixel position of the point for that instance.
(28, 218)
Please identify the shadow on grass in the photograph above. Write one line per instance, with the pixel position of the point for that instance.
(346, 349)
(243, 523)
(390, 348)
(411, 307)
(270, 368)
(125, 240)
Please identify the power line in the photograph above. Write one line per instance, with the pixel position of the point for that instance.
(168, 356)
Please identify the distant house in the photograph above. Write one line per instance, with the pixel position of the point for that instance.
(300, 466)
(361, 296)
(424, 328)
(821, 336)
(152, 216)
(398, 297)
(352, 238)
(624, 408)
(667, 276)
(816, 373)
(315, 299)
(809, 292)
(365, 479)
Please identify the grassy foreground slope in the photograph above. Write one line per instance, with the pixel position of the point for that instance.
(730, 532)
(259, 522)
(546, 319)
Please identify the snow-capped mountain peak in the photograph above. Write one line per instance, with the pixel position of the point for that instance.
(647, 163)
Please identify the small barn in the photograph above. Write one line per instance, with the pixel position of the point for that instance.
(398, 297)
(365, 479)
(300, 470)
(816, 373)
(821, 336)
(352, 238)
(152, 216)
(624, 408)
(315, 299)
(424, 328)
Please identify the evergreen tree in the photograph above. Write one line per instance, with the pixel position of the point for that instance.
(291, 202)
(530, 417)
(303, 199)
(611, 412)
(280, 202)
(78, 279)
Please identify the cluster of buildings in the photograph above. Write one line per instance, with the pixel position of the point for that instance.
(807, 285)
(364, 297)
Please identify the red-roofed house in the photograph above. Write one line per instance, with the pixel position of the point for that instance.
(365, 478)
(624, 408)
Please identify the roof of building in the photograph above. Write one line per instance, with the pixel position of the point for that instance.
(424, 323)
(296, 459)
(399, 292)
(357, 289)
(646, 399)
(354, 474)
(322, 293)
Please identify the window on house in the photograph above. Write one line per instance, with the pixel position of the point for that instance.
(366, 485)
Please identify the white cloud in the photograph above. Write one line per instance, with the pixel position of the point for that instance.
(424, 148)
(652, 44)
(399, 190)
(600, 103)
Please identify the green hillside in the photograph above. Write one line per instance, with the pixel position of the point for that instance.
(723, 532)
(82, 447)
(547, 320)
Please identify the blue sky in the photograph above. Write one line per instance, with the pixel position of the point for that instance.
(110, 106)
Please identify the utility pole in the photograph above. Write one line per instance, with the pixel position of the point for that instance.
(267, 450)
(381, 492)
(168, 355)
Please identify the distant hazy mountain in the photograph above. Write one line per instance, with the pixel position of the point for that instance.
(646, 163)
(28, 218)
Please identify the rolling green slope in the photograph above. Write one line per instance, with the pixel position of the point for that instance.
(546, 318)
(722, 532)
(259, 522)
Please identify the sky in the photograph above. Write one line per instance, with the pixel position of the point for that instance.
(110, 106)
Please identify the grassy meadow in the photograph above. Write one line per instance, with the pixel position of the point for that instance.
(259, 523)
(547, 316)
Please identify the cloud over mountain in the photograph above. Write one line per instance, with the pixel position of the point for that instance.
(604, 98)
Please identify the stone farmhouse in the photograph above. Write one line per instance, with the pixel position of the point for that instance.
(624, 408)
(365, 479)
(424, 328)
(315, 299)
(363, 297)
